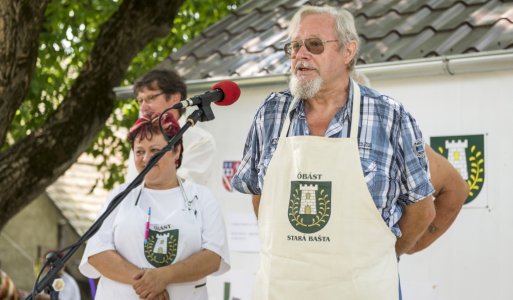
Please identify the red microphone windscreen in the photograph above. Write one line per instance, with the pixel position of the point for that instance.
(230, 90)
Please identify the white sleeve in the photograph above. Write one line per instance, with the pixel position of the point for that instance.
(198, 155)
(71, 290)
(213, 231)
(102, 240)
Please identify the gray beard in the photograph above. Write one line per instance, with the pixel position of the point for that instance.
(304, 89)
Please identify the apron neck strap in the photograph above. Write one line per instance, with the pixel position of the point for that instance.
(187, 202)
(355, 119)
(286, 124)
(139, 195)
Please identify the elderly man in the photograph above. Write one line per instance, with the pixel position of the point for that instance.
(332, 165)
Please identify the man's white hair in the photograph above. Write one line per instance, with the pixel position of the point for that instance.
(344, 25)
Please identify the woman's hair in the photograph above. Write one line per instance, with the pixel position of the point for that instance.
(148, 125)
(345, 28)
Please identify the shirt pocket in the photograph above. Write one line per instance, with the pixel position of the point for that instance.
(376, 179)
(369, 168)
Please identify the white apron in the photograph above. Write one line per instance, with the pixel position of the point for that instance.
(129, 233)
(321, 234)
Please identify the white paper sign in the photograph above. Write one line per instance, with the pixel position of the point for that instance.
(243, 232)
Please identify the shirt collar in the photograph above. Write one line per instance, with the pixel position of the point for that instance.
(347, 108)
(297, 108)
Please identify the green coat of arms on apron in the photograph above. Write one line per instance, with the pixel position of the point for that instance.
(309, 205)
(161, 248)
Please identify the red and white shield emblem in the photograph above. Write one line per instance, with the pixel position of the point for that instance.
(229, 169)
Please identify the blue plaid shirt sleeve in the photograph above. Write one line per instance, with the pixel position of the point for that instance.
(416, 184)
(246, 177)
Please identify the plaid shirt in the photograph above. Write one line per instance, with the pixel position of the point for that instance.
(390, 143)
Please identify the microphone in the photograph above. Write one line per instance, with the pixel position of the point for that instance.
(222, 93)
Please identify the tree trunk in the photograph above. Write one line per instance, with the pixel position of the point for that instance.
(35, 162)
(20, 24)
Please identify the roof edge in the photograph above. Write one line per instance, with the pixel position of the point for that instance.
(479, 62)
(441, 65)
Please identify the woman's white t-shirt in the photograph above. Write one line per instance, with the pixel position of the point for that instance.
(178, 228)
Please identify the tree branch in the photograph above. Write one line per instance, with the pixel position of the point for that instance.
(39, 159)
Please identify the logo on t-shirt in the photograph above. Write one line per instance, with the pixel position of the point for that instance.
(309, 205)
(161, 248)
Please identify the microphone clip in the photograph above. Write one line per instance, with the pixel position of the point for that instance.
(206, 109)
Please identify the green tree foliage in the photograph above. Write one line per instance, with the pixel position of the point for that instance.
(69, 32)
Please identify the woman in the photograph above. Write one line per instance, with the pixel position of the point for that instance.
(165, 237)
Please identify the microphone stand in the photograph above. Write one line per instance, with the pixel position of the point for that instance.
(203, 113)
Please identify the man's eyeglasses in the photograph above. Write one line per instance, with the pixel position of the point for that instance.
(148, 99)
(313, 45)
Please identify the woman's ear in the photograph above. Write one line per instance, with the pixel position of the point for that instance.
(177, 153)
(177, 150)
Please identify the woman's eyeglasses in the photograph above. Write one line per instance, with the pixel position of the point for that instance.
(313, 45)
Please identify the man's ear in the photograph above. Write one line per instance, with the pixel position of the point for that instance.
(174, 98)
(349, 52)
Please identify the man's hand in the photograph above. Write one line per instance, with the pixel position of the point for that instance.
(413, 223)
(256, 203)
(451, 191)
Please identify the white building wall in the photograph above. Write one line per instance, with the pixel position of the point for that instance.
(473, 259)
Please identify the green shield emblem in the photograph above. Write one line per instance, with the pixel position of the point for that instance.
(161, 248)
(466, 154)
(309, 205)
